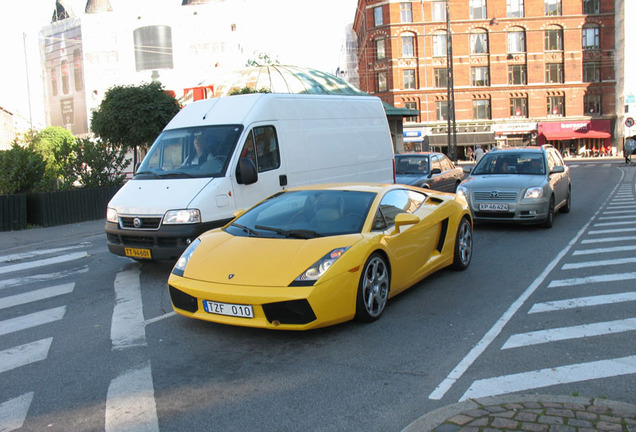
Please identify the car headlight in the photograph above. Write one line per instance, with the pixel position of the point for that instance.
(181, 264)
(173, 217)
(462, 191)
(319, 268)
(111, 215)
(533, 193)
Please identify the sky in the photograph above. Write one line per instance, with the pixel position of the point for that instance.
(272, 21)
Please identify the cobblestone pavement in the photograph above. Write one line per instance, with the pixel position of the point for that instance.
(530, 413)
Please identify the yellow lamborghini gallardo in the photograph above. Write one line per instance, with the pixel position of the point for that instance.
(315, 256)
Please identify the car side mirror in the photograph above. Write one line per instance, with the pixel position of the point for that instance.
(435, 171)
(246, 172)
(467, 169)
(558, 169)
(405, 219)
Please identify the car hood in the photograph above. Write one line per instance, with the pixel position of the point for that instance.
(410, 179)
(503, 181)
(233, 260)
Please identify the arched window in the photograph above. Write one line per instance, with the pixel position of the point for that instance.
(554, 38)
(479, 41)
(516, 40)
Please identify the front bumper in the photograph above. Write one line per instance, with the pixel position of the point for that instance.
(165, 243)
(526, 211)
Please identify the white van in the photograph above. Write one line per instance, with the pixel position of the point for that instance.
(247, 148)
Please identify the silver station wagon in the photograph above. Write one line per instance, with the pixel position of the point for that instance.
(519, 184)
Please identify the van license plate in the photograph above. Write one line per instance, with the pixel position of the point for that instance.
(137, 253)
(229, 309)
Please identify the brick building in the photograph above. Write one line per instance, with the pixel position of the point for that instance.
(523, 71)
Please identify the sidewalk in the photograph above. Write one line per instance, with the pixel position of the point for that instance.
(40, 236)
(530, 413)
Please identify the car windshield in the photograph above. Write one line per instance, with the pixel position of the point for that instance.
(305, 214)
(190, 152)
(411, 164)
(504, 162)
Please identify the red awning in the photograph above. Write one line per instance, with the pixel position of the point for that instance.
(567, 135)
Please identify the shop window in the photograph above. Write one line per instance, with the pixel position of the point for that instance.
(439, 44)
(438, 11)
(408, 46)
(515, 8)
(406, 13)
(592, 104)
(516, 40)
(380, 49)
(591, 37)
(480, 76)
(552, 7)
(519, 107)
(554, 39)
(479, 42)
(591, 72)
(441, 78)
(481, 109)
(409, 79)
(554, 73)
(477, 9)
(441, 110)
(517, 74)
(377, 16)
(411, 106)
(556, 106)
(382, 86)
(591, 7)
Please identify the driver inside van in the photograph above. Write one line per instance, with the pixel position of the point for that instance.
(201, 153)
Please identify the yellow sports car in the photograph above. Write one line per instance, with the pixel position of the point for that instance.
(314, 256)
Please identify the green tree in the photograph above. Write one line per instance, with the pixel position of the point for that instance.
(94, 163)
(133, 116)
(21, 170)
(47, 143)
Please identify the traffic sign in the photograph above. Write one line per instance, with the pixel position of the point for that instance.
(629, 122)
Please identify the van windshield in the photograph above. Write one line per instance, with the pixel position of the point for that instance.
(190, 152)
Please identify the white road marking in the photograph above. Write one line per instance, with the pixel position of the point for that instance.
(127, 326)
(36, 295)
(602, 224)
(31, 320)
(159, 318)
(612, 231)
(130, 402)
(609, 239)
(604, 250)
(551, 376)
(14, 411)
(8, 283)
(582, 302)
(566, 333)
(599, 263)
(43, 262)
(630, 217)
(592, 279)
(24, 354)
(32, 254)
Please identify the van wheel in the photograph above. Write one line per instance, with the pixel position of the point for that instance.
(373, 289)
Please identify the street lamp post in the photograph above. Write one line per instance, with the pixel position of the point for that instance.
(452, 126)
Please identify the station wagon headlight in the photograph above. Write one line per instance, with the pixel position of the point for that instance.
(188, 216)
(111, 215)
(533, 193)
(319, 268)
(181, 264)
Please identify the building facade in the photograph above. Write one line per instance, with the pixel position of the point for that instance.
(516, 72)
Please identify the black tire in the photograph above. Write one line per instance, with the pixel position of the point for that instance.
(568, 202)
(373, 289)
(549, 220)
(463, 253)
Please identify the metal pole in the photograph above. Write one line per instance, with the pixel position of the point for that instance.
(452, 130)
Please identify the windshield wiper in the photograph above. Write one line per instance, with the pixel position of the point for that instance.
(296, 233)
(176, 174)
(247, 230)
(152, 173)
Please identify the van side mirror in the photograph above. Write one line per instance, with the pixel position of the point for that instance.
(246, 172)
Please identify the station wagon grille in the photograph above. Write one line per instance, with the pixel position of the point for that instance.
(142, 223)
(495, 196)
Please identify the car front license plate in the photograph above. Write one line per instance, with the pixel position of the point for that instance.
(229, 309)
(492, 207)
(137, 253)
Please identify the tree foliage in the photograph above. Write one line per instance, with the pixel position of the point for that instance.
(92, 163)
(48, 143)
(133, 116)
(21, 170)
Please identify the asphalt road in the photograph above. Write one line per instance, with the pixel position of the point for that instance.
(88, 340)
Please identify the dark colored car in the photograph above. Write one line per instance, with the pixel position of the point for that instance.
(428, 170)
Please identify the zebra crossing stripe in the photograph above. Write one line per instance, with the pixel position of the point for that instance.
(599, 263)
(609, 239)
(604, 250)
(32, 254)
(36, 295)
(14, 411)
(592, 279)
(127, 325)
(8, 283)
(567, 333)
(43, 262)
(551, 376)
(31, 320)
(580, 302)
(24, 354)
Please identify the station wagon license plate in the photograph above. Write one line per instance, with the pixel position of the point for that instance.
(137, 253)
(493, 207)
(229, 309)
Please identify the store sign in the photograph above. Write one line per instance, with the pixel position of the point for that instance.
(514, 128)
(412, 134)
